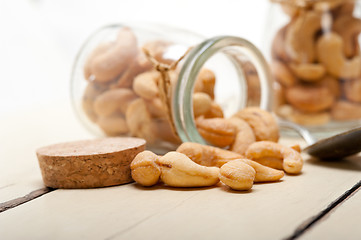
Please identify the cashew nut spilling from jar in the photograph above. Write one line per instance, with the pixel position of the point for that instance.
(144, 168)
(202, 103)
(330, 54)
(263, 123)
(237, 175)
(244, 135)
(207, 155)
(205, 82)
(216, 131)
(292, 160)
(177, 170)
(263, 173)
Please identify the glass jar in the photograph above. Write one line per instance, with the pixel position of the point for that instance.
(314, 53)
(132, 80)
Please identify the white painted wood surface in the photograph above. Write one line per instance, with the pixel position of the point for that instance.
(22, 132)
(269, 211)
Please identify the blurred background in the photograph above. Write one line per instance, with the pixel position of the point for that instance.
(39, 42)
(40, 38)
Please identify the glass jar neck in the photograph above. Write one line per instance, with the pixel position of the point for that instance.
(182, 107)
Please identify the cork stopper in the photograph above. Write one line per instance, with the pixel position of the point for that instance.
(89, 163)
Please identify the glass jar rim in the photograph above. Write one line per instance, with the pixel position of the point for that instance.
(196, 58)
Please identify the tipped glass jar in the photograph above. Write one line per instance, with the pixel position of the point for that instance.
(316, 63)
(132, 80)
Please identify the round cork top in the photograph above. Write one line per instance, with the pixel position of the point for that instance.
(91, 147)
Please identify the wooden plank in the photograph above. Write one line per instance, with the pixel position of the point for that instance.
(340, 223)
(22, 132)
(269, 211)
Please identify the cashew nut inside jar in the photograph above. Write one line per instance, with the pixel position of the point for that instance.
(314, 53)
(163, 84)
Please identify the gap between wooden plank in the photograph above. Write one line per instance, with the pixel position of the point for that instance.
(309, 223)
(21, 200)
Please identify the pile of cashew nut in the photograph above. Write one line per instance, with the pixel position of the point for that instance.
(317, 64)
(244, 151)
(197, 165)
(122, 94)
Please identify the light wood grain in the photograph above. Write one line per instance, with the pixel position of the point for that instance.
(269, 211)
(341, 223)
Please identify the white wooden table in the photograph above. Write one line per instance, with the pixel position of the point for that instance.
(321, 203)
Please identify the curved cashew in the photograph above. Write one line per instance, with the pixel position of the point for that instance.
(177, 170)
(264, 173)
(139, 121)
(292, 160)
(205, 82)
(237, 175)
(202, 103)
(330, 54)
(282, 74)
(113, 101)
(244, 135)
(300, 37)
(348, 27)
(207, 155)
(278, 45)
(144, 168)
(352, 90)
(263, 123)
(309, 72)
(214, 112)
(110, 63)
(145, 84)
(308, 98)
(216, 131)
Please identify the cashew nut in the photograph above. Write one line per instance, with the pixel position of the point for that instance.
(282, 74)
(278, 45)
(144, 168)
(300, 35)
(237, 175)
(263, 123)
(309, 72)
(205, 82)
(352, 89)
(348, 27)
(344, 110)
(263, 173)
(113, 125)
(330, 54)
(109, 64)
(113, 101)
(207, 155)
(139, 121)
(145, 84)
(292, 160)
(214, 112)
(216, 131)
(310, 98)
(244, 135)
(91, 91)
(177, 170)
(201, 103)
